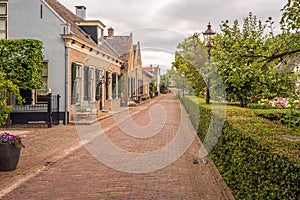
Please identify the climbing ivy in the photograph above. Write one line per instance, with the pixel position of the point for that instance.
(21, 67)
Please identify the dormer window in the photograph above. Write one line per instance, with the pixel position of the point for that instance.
(100, 35)
(93, 28)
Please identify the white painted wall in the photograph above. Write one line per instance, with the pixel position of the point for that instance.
(24, 21)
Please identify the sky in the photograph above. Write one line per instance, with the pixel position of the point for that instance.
(160, 25)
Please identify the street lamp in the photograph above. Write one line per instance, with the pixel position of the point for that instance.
(182, 75)
(208, 34)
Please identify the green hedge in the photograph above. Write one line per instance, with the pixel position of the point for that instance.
(253, 154)
(288, 117)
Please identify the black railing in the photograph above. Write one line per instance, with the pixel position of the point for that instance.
(43, 112)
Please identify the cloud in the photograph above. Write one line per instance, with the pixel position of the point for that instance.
(172, 20)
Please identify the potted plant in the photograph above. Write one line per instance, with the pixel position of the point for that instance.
(10, 148)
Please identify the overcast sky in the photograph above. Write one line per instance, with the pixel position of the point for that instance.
(161, 24)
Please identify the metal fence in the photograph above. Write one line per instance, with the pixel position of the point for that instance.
(47, 112)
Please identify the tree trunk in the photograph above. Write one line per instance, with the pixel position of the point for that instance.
(242, 102)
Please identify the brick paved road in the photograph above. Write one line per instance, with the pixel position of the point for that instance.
(81, 176)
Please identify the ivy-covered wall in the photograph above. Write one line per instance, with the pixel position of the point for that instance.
(21, 67)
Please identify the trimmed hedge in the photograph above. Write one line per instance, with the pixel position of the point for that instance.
(288, 117)
(254, 155)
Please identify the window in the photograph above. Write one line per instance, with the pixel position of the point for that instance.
(98, 85)
(99, 35)
(41, 94)
(26, 96)
(141, 87)
(41, 11)
(91, 86)
(3, 21)
(3, 28)
(3, 9)
(76, 83)
(89, 83)
(133, 87)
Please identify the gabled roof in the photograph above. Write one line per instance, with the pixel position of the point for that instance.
(71, 18)
(122, 44)
(148, 73)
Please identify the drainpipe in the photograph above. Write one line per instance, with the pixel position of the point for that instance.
(66, 82)
(66, 31)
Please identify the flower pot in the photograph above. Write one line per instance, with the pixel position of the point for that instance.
(9, 156)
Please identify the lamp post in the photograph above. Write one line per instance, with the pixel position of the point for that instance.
(182, 75)
(208, 34)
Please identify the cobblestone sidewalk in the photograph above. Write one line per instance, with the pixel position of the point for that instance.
(55, 165)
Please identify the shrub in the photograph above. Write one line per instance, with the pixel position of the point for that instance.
(252, 154)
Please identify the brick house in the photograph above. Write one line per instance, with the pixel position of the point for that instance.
(156, 72)
(132, 65)
(148, 78)
(79, 64)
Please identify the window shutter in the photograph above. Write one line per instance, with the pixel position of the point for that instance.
(120, 82)
(86, 83)
(97, 85)
(74, 96)
(114, 95)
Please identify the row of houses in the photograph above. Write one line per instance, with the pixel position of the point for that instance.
(83, 65)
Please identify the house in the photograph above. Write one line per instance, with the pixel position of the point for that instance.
(137, 72)
(79, 64)
(156, 71)
(131, 69)
(148, 84)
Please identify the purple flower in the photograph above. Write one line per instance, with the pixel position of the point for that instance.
(11, 139)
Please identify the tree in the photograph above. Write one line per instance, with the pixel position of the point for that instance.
(248, 59)
(191, 57)
(21, 67)
(290, 19)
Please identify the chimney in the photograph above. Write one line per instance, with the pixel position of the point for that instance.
(111, 32)
(81, 12)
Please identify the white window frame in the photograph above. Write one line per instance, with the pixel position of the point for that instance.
(79, 82)
(3, 16)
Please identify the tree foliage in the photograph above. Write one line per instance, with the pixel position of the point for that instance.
(21, 67)
(290, 19)
(7, 88)
(191, 58)
(252, 62)
(250, 58)
(21, 61)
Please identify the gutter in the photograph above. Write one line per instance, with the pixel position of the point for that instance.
(66, 82)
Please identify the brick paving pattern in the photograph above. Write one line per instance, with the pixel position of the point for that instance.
(81, 176)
